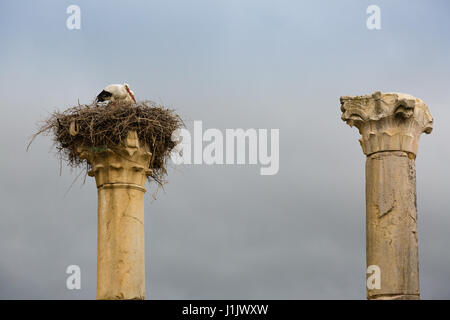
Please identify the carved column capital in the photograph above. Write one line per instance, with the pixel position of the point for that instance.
(387, 121)
(122, 165)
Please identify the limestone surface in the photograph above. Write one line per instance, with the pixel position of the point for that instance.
(120, 176)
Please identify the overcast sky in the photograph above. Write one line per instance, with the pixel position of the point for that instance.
(222, 232)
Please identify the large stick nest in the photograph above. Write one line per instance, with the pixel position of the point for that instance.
(106, 125)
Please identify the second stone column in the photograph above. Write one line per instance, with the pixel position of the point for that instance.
(390, 125)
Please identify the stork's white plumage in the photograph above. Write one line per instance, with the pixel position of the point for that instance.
(117, 92)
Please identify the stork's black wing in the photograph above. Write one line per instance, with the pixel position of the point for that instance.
(104, 96)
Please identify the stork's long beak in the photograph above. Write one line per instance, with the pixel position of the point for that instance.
(130, 93)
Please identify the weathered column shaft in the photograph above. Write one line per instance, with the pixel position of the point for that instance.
(390, 125)
(120, 251)
(120, 175)
(391, 224)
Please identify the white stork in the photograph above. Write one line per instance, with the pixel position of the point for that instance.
(117, 92)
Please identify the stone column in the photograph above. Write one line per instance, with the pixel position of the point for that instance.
(120, 176)
(390, 125)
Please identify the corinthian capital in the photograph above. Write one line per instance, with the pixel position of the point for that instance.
(387, 121)
(126, 164)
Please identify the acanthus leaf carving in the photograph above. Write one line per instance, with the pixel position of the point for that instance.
(387, 121)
